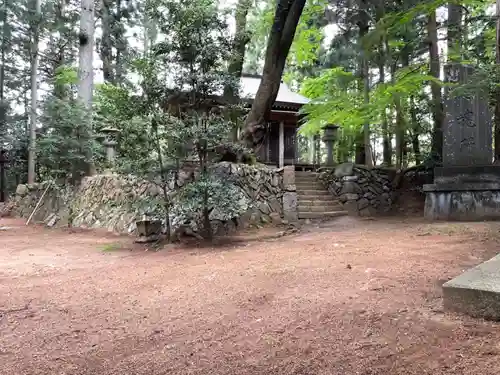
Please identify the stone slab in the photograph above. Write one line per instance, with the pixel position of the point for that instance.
(288, 175)
(476, 292)
(466, 186)
(467, 174)
(290, 206)
(462, 205)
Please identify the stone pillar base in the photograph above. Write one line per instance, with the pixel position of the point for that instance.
(464, 193)
(290, 205)
(462, 202)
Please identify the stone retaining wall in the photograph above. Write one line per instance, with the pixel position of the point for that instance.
(362, 191)
(115, 202)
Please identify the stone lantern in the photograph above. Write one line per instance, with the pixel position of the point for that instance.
(329, 137)
(110, 141)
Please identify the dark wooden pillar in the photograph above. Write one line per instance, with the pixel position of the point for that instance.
(3, 176)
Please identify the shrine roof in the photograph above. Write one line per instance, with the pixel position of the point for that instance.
(286, 97)
(287, 100)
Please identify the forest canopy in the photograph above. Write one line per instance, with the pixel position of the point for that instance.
(72, 68)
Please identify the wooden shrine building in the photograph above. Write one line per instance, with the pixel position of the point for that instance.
(280, 145)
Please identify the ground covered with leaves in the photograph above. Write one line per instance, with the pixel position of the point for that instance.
(348, 297)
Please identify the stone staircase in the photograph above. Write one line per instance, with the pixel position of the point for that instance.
(314, 201)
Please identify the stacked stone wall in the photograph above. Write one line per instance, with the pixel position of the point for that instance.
(115, 202)
(363, 191)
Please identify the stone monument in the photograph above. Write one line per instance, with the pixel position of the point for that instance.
(467, 185)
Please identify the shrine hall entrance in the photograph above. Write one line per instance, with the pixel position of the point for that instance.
(274, 139)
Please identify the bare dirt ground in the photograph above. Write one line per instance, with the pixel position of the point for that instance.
(350, 297)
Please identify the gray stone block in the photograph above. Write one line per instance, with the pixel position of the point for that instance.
(351, 207)
(290, 212)
(462, 205)
(22, 190)
(345, 169)
(288, 176)
(468, 174)
(476, 292)
(350, 187)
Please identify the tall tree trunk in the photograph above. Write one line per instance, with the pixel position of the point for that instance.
(240, 41)
(150, 32)
(120, 44)
(497, 103)
(3, 104)
(235, 69)
(360, 150)
(35, 31)
(415, 132)
(61, 89)
(386, 136)
(85, 68)
(454, 32)
(364, 27)
(286, 19)
(437, 99)
(400, 131)
(146, 43)
(359, 140)
(400, 123)
(106, 50)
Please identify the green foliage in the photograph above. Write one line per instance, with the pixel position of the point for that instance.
(15, 141)
(222, 200)
(309, 34)
(155, 143)
(66, 75)
(409, 81)
(307, 41)
(65, 142)
(118, 108)
(337, 100)
(197, 44)
(110, 247)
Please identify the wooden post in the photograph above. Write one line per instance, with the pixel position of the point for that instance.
(268, 157)
(295, 141)
(3, 176)
(282, 145)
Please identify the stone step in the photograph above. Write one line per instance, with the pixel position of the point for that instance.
(305, 185)
(322, 209)
(318, 202)
(303, 192)
(309, 187)
(307, 180)
(321, 198)
(305, 174)
(321, 215)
